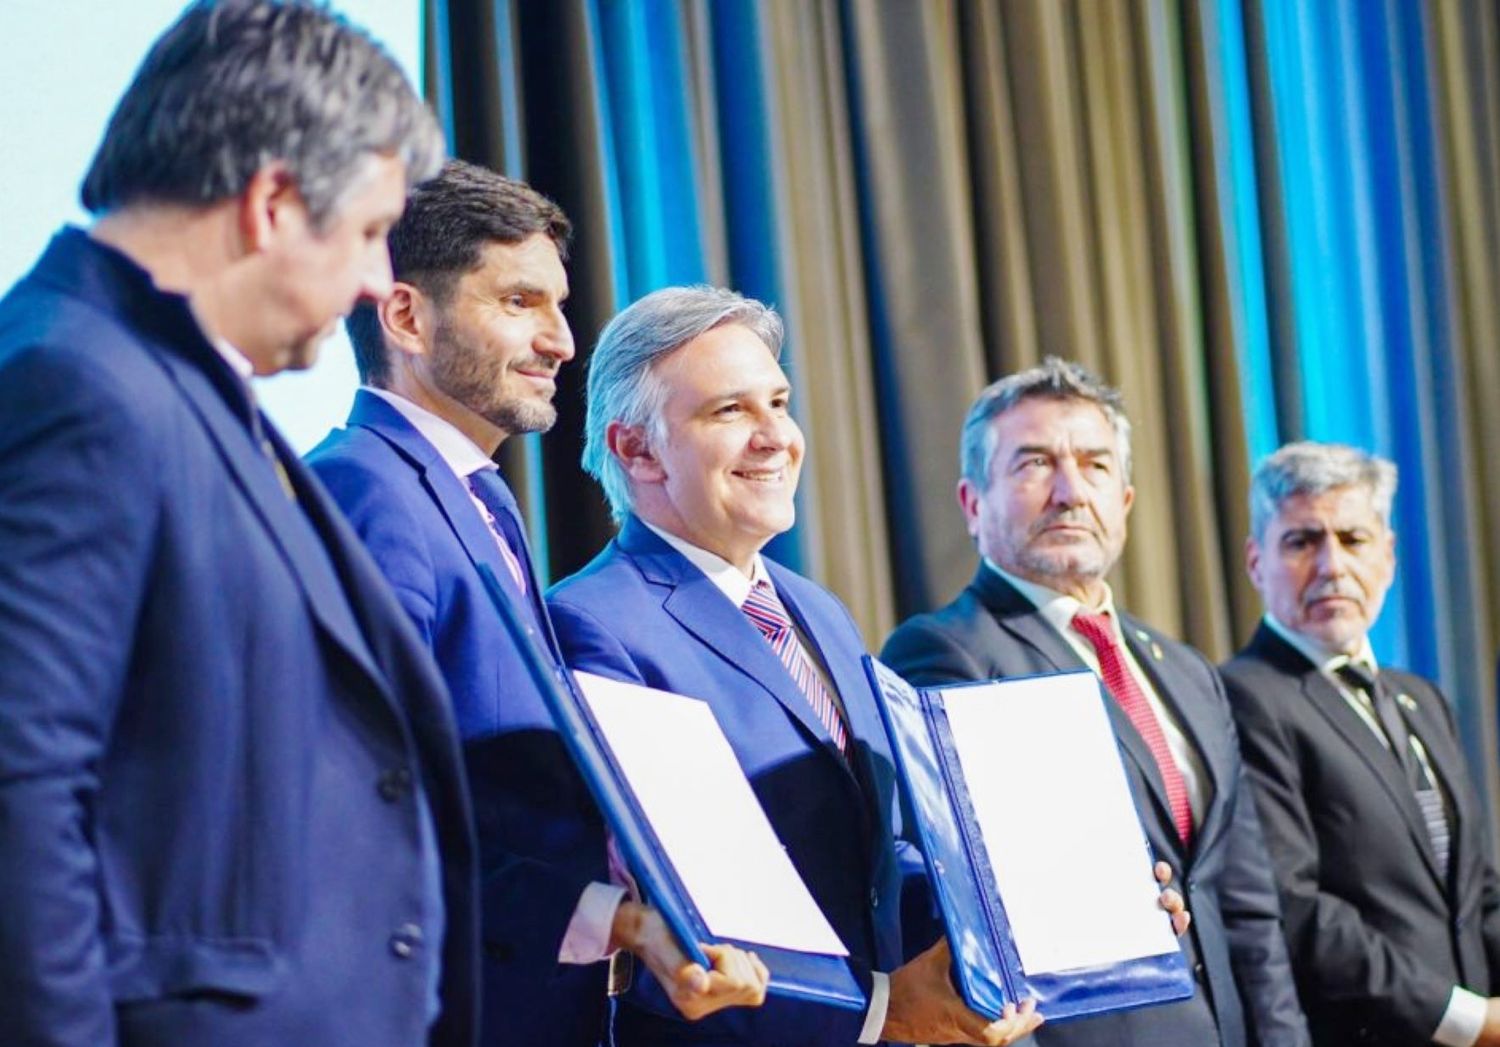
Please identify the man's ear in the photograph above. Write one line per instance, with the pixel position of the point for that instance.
(1252, 561)
(630, 445)
(271, 206)
(407, 319)
(968, 501)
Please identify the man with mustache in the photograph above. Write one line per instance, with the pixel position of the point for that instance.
(1046, 492)
(459, 357)
(1391, 902)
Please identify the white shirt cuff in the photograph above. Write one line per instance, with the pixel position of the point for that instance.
(1463, 1021)
(880, 998)
(587, 938)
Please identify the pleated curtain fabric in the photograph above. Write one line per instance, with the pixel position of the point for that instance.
(939, 192)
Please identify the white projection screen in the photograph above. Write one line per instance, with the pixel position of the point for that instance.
(63, 63)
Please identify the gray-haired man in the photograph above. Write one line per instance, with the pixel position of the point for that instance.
(1390, 899)
(1046, 493)
(232, 810)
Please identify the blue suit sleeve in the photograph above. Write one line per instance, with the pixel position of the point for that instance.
(78, 508)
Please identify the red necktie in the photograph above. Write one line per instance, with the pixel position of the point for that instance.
(765, 609)
(1096, 629)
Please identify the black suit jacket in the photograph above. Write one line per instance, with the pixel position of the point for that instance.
(1378, 939)
(1235, 946)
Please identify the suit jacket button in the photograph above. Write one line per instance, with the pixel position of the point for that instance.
(405, 940)
(874, 898)
(394, 784)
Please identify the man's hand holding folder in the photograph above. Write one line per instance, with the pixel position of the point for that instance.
(737, 978)
(925, 1008)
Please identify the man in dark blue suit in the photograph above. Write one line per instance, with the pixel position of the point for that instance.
(688, 429)
(232, 809)
(460, 357)
(1046, 492)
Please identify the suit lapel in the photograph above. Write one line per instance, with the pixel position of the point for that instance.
(1323, 696)
(1018, 616)
(453, 500)
(284, 522)
(702, 609)
(1192, 716)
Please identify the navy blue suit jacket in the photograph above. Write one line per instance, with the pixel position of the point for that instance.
(1246, 994)
(541, 838)
(642, 612)
(216, 724)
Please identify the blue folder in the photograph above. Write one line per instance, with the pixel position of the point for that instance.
(987, 964)
(819, 978)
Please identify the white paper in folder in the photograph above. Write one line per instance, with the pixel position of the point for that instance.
(710, 825)
(1044, 776)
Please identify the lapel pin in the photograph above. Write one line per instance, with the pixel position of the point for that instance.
(1144, 637)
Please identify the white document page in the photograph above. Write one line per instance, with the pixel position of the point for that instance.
(700, 805)
(1049, 792)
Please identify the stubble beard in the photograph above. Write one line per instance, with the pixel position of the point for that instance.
(480, 388)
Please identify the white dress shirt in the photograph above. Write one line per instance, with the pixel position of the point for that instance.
(1463, 1020)
(587, 937)
(736, 585)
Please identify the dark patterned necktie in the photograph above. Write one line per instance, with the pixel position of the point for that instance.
(1424, 787)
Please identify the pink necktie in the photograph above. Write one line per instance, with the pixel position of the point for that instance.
(1096, 629)
(764, 608)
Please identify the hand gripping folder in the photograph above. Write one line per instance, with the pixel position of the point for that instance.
(1006, 955)
(824, 979)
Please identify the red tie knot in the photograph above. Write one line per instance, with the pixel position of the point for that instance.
(1095, 627)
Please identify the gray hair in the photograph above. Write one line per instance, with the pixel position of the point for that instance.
(1311, 468)
(234, 85)
(1052, 379)
(621, 384)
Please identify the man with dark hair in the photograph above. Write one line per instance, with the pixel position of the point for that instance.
(459, 358)
(1045, 491)
(1377, 835)
(232, 807)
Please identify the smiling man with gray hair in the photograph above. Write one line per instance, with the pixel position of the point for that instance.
(1391, 902)
(690, 430)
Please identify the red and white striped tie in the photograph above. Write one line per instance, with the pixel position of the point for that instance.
(764, 608)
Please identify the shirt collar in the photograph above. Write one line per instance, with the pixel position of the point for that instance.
(1058, 608)
(729, 579)
(237, 360)
(1329, 662)
(463, 455)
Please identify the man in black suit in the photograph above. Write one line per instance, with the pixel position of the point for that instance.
(1380, 851)
(1046, 493)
